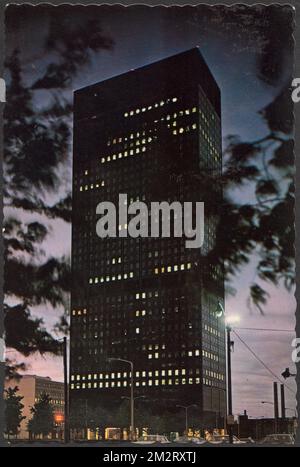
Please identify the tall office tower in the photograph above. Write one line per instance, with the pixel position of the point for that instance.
(153, 133)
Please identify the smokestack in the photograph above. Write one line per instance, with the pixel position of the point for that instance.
(276, 411)
(282, 402)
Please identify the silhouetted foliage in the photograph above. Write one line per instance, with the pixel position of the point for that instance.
(37, 148)
(13, 411)
(42, 421)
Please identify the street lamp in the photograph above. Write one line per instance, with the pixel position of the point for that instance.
(229, 321)
(129, 362)
(286, 408)
(186, 408)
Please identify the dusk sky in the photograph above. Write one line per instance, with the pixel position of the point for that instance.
(143, 35)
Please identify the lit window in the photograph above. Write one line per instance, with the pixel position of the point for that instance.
(137, 330)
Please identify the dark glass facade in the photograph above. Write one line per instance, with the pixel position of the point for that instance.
(146, 133)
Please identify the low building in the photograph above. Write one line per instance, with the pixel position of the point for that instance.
(31, 387)
(258, 428)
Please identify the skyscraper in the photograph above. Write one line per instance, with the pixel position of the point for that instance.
(151, 133)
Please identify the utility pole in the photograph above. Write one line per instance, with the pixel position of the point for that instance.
(66, 391)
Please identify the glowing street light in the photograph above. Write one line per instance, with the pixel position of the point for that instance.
(229, 321)
(232, 319)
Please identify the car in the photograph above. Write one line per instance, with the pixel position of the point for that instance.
(248, 440)
(224, 439)
(187, 440)
(280, 438)
(152, 439)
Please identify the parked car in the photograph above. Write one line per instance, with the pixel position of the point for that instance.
(187, 440)
(224, 439)
(248, 440)
(279, 438)
(152, 439)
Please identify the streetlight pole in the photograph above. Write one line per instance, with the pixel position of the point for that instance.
(186, 408)
(63, 342)
(220, 312)
(229, 382)
(129, 362)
